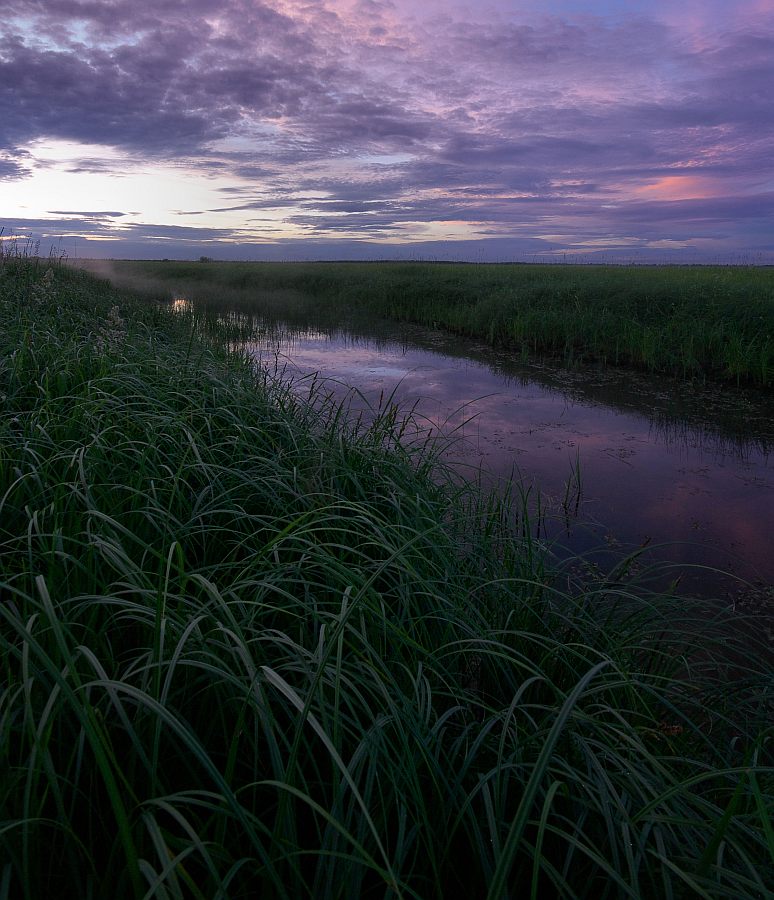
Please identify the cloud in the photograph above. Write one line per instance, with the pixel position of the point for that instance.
(346, 116)
(97, 214)
(12, 168)
(54, 229)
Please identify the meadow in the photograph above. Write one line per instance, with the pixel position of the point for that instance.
(713, 323)
(251, 647)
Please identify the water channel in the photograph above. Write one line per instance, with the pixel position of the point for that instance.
(616, 462)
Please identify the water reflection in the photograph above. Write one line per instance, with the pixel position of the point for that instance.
(670, 466)
(611, 461)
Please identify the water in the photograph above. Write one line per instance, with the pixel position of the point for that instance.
(620, 462)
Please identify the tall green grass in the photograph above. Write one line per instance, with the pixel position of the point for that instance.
(692, 322)
(250, 648)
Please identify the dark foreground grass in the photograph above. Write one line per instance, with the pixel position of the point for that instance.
(251, 650)
(692, 322)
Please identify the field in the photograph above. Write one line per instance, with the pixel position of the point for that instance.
(712, 323)
(250, 648)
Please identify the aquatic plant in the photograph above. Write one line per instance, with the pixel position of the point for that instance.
(251, 648)
(693, 322)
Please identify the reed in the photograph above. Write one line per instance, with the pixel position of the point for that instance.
(701, 322)
(252, 648)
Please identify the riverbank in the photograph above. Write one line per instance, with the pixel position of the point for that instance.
(609, 461)
(252, 648)
(707, 323)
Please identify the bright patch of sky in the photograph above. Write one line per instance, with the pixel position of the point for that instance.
(147, 193)
(560, 125)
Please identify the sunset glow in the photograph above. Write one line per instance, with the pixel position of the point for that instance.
(369, 128)
(681, 187)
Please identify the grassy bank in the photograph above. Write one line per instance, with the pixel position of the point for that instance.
(249, 649)
(699, 322)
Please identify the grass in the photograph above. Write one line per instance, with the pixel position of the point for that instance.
(712, 323)
(250, 648)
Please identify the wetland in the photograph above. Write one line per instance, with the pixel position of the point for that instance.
(519, 369)
(612, 461)
(262, 633)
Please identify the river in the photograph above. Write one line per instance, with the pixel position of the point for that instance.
(611, 461)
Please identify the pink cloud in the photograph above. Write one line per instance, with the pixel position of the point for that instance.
(681, 187)
(620, 128)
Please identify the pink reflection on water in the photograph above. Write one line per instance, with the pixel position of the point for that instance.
(711, 500)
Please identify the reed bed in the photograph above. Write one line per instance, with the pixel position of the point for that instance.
(251, 648)
(700, 322)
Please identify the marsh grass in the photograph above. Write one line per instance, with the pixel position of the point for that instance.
(701, 322)
(250, 648)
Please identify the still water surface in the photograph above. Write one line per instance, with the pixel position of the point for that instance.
(620, 461)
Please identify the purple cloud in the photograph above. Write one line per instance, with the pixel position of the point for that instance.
(335, 118)
(12, 166)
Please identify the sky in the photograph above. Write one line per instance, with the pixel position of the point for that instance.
(510, 130)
